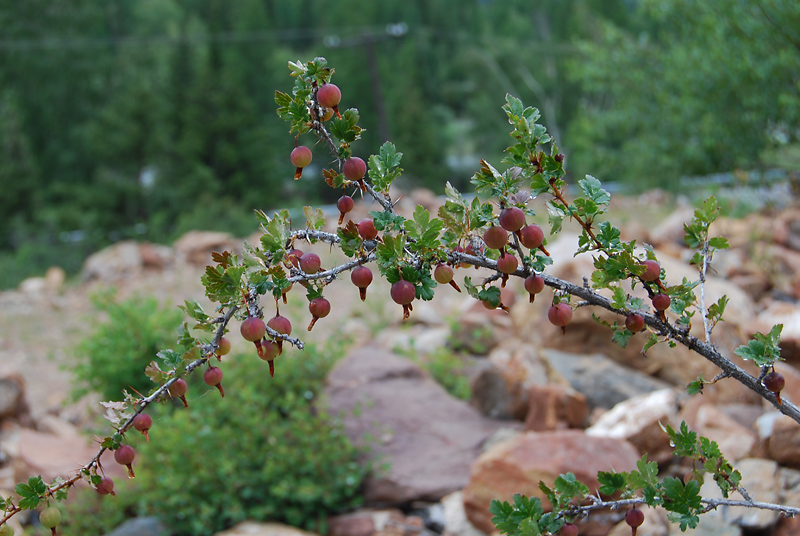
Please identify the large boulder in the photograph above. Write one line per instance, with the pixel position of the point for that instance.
(253, 528)
(639, 420)
(195, 247)
(519, 464)
(428, 438)
(114, 263)
(604, 382)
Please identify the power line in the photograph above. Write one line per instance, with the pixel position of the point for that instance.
(229, 37)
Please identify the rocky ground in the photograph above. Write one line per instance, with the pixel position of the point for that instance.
(542, 403)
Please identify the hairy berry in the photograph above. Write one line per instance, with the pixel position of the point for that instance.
(124, 455)
(661, 302)
(354, 169)
(366, 229)
(634, 322)
(534, 284)
(361, 276)
(319, 308)
(106, 486)
(560, 315)
(531, 236)
(310, 263)
(143, 422)
(213, 378)
(253, 329)
(512, 219)
(495, 237)
(652, 270)
(50, 517)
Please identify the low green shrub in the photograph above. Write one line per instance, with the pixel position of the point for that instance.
(114, 354)
(265, 451)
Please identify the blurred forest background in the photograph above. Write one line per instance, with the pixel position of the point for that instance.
(144, 119)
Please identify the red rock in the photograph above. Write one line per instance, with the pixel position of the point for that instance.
(552, 407)
(517, 466)
(196, 246)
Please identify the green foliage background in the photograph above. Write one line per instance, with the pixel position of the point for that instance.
(118, 119)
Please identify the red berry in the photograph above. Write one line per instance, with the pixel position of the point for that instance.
(213, 378)
(495, 237)
(224, 347)
(443, 274)
(661, 302)
(403, 292)
(253, 329)
(560, 315)
(310, 263)
(512, 219)
(294, 257)
(354, 169)
(178, 389)
(634, 322)
(361, 276)
(327, 114)
(634, 517)
(143, 422)
(319, 308)
(345, 204)
(531, 236)
(652, 271)
(534, 284)
(366, 229)
(106, 486)
(301, 156)
(329, 96)
(568, 529)
(280, 324)
(269, 350)
(124, 455)
(775, 382)
(507, 264)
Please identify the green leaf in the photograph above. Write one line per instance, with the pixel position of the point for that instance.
(696, 386)
(346, 128)
(315, 219)
(684, 440)
(592, 188)
(762, 349)
(645, 478)
(386, 221)
(194, 311)
(423, 230)
(171, 358)
(32, 493)
(570, 487)
(383, 167)
(651, 341)
(349, 239)
(718, 242)
(622, 337)
(684, 500)
(611, 483)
